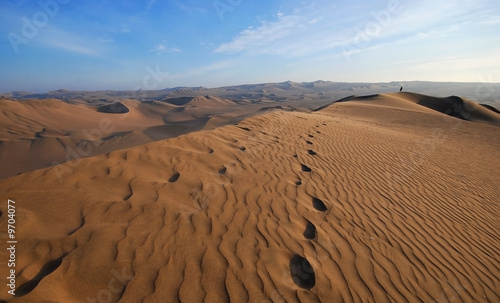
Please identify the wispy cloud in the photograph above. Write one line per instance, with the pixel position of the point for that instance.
(150, 4)
(192, 7)
(264, 34)
(208, 69)
(68, 41)
(314, 29)
(123, 28)
(162, 48)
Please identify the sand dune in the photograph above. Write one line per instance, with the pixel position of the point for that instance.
(317, 92)
(378, 199)
(210, 101)
(38, 133)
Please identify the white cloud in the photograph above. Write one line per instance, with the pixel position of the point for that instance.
(208, 69)
(121, 29)
(318, 29)
(61, 39)
(162, 49)
(266, 33)
(107, 39)
(124, 28)
(150, 4)
(214, 66)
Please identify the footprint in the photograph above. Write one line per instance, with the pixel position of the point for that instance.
(309, 142)
(46, 270)
(302, 272)
(311, 152)
(130, 193)
(318, 204)
(310, 232)
(305, 168)
(222, 170)
(174, 177)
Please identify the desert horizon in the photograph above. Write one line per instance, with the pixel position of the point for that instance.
(95, 122)
(278, 195)
(241, 151)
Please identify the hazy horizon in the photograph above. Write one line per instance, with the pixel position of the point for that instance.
(250, 84)
(62, 44)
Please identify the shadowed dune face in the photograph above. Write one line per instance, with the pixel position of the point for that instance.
(395, 205)
(114, 108)
(491, 108)
(453, 106)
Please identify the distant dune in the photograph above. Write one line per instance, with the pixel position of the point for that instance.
(314, 92)
(453, 106)
(210, 101)
(383, 198)
(38, 133)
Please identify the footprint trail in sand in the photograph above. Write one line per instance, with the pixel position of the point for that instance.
(199, 219)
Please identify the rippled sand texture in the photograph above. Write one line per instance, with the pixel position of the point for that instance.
(372, 200)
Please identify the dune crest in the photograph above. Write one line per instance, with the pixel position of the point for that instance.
(454, 106)
(210, 101)
(39, 133)
(353, 203)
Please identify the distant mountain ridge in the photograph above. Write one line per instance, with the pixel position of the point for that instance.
(288, 90)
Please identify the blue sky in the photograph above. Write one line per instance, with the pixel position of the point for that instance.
(95, 45)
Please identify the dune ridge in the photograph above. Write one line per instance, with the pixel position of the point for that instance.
(353, 203)
(454, 106)
(61, 131)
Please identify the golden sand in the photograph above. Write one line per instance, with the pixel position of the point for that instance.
(376, 199)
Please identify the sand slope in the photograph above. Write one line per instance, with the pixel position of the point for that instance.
(354, 203)
(210, 101)
(454, 106)
(38, 133)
